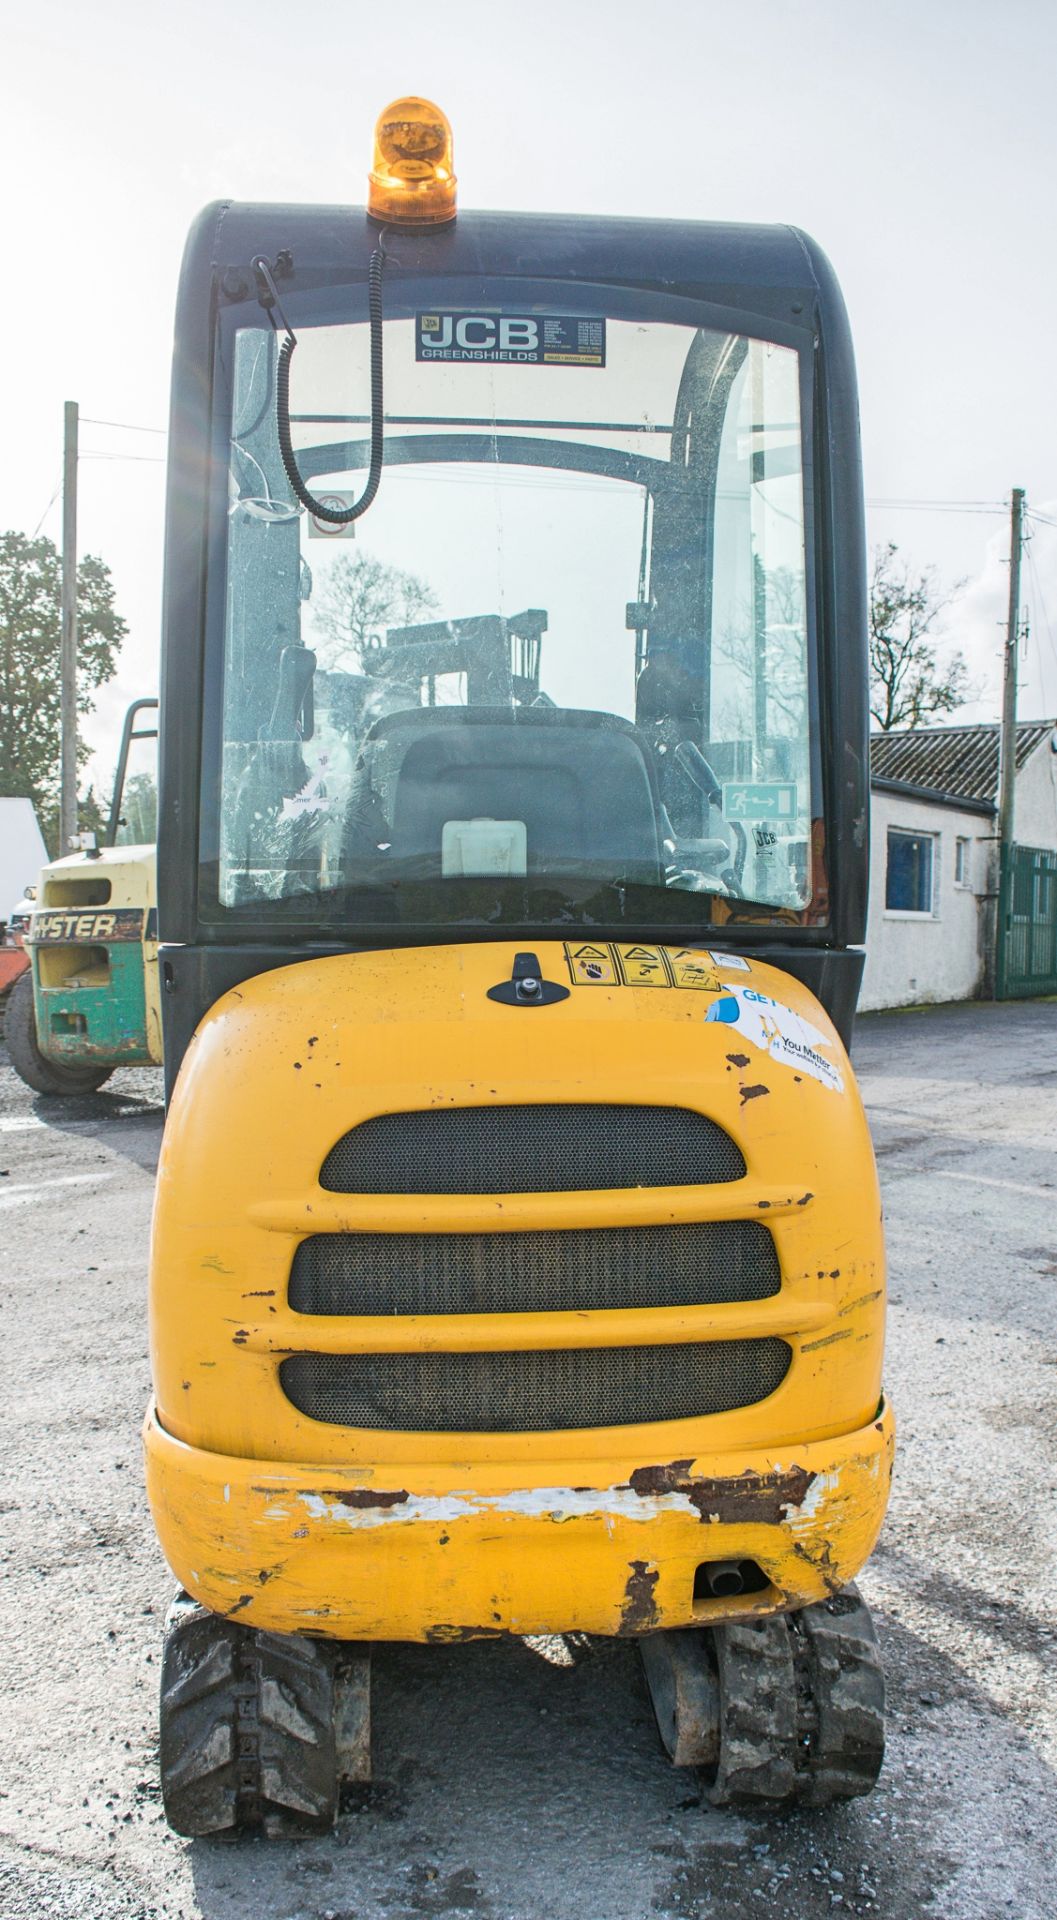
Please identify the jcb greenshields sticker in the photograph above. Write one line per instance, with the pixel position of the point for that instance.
(517, 339)
(597, 963)
(98, 927)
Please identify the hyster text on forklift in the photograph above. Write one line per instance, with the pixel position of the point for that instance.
(517, 1262)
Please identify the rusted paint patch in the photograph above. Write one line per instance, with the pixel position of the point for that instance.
(812, 1346)
(260, 1293)
(738, 1059)
(365, 1496)
(863, 1301)
(822, 1563)
(762, 1497)
(449, 1636)
(804, 1199)
(752, 1093)
(639, 1610)
(242, 1601)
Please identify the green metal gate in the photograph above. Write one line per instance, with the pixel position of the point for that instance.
(1027, 945)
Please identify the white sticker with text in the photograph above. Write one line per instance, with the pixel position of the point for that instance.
(777, 1030)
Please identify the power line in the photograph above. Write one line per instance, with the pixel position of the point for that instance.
(989, 507)
(48, 508)
(151, 459)
(1041, 517)
(126, 426)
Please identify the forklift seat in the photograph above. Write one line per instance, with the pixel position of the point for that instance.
(583, 784)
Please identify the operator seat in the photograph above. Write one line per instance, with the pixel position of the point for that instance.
(582, 782)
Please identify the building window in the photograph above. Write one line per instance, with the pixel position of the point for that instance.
(962, 855)
(908, 884)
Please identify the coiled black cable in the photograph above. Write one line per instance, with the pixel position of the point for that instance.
(337, 516)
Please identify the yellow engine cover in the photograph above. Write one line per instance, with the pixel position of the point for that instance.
(297, 1523)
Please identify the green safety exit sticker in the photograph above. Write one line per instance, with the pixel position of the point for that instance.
(760, 800)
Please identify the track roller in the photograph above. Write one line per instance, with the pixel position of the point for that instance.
(258, 1730)
(789, 1708)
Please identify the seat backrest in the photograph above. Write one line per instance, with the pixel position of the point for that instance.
(580, 781)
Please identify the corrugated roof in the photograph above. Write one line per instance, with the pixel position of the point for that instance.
(951, 760)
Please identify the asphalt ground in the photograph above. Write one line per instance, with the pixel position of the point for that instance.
(508, 1787)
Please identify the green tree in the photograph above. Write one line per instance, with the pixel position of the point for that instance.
(91, 816)
(139, 812)
(357, 600)
(909, 684)
(30, 661)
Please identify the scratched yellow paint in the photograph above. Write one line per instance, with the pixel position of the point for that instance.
(302, 1525)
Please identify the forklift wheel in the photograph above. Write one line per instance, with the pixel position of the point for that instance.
(20, 1034)
(247, 1727)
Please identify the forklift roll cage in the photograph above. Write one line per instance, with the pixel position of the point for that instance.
(773, 282)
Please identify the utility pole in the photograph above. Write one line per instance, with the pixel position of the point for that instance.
(68, 695)
(1007, 744)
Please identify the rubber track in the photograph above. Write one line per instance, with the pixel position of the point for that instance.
(839, 1672)
(757, 1713)
(247, 1727)
(801, 1706)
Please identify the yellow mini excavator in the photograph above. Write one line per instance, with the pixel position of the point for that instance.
(517, 1262)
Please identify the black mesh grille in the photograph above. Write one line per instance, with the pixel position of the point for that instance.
(533, 1392)
(538, 1149)
(567, 1269)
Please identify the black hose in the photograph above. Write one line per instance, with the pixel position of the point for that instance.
(337, 516)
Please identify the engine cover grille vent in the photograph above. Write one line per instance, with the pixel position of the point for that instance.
(533, 1149)
(563, 1269)
(533, 1392)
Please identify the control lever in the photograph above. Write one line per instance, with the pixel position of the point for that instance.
(293, 716)
(690, 758)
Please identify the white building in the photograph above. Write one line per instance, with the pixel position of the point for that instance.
(22, 852)
(933, 855)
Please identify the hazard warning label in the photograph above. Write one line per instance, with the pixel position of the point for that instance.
(693, 969)
(642, 966)
(592, 966)
(609, 964)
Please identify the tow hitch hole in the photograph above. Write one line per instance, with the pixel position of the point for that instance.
(69, 1023)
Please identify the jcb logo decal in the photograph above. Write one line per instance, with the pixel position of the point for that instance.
(477, 336)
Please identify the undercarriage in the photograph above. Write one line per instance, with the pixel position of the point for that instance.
(260, 1731)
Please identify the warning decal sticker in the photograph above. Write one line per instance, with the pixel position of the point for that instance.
(591, 966)
(517, 339)
(642, 966)
(598, 964)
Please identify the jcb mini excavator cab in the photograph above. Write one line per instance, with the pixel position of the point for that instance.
(517, 1261)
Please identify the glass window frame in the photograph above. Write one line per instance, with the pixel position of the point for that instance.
(930, 840)
(334, 300)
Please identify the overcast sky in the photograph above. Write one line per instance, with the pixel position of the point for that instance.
(915, 141)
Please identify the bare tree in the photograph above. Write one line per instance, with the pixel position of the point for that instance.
(359, 598)
(909, 685)
(760, 683)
